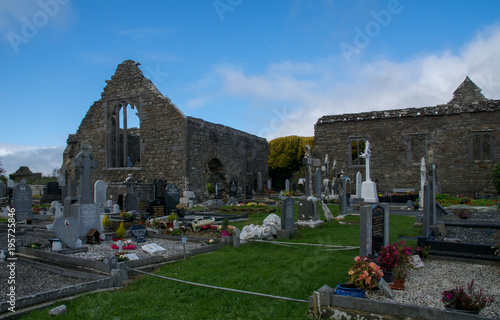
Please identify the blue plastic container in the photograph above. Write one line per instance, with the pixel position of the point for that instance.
(343, 289)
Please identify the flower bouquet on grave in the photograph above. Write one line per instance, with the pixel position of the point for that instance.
(129, 216)
(468, 300)
(126, 245)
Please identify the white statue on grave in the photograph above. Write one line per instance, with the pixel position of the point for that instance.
(368, 187)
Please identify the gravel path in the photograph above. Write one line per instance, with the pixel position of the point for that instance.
(423, 286)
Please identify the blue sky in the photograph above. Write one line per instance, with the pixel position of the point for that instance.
(271, 68)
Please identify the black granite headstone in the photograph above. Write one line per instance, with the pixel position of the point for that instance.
(233, 189)
(23, 201)
(158, 208)
(159, 186)
(248, 193)
(377, 228)
(172, 197)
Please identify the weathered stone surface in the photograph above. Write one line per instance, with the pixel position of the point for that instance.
(182, 150)
(462, 135)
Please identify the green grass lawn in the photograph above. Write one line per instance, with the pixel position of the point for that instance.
(293, 272)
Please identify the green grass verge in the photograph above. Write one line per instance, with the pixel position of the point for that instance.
(258, 267)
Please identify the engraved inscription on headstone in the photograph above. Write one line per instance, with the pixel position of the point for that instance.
(89, 218)
(157, 208)
(172, 197)
(377, 228)
(159, 186)
(23, 201)
(287, 215)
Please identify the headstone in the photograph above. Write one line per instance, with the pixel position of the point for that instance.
(171, 198)
(159, 186)
(89, 217)
(287, 185)
(423, 178)
(218, 191)
(308, 161)
(100, 194)
(139, 232)
(359, 182)
(259, 181)
(368, 187)
(130, 201)
(2, 189)
(269, 184)
(10, 183)
(287, 213)
(52, 192)
(427, 212)
(233, 189)
(85, 211)
(318, 183)
(66, 230)
(23, 201)
(85, 164)
(374, 229)
(158, 208)
(248, 193)
(308, 209)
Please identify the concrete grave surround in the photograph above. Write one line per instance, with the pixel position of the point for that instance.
(462, 134)
(168, 145)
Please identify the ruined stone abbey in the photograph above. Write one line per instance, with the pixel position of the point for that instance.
(166, 144)
(459, 137)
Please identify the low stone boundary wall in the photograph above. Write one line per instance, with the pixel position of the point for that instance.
(342, 307)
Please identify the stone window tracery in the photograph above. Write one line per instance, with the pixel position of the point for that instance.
(124, 142)
(356, 145)
(481, 145)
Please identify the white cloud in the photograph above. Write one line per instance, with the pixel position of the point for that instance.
(330, 86)
(38, 159)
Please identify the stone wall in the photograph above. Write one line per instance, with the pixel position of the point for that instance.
(217, 153)
(462, 138)
(170, 149)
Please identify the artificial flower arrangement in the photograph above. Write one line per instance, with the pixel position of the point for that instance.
(466, 299)
(132, 214)
(127, 245)
(157, 223)
(364, 274)
(422, 252)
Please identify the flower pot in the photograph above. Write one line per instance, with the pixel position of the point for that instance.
(388, 276)
(142, 222)
(345, 289)
(398, 284)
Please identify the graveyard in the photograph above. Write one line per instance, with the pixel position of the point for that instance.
(247, 254)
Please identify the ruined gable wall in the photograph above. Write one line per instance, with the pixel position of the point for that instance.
(163, 131)
(448, 128)
(241, 154)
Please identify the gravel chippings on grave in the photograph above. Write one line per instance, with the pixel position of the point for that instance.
(30, 280)
(172, 247)
(424, 286)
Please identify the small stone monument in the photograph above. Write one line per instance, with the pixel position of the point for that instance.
(85, 211)
(130, 201)
(159, 186)
(248, 193)
(368, 188)
(100, 194)
(233, 189)
(287, 185)
(308, 204)
(23, 201)
(172, 197)
(287, 218)
(318, 183)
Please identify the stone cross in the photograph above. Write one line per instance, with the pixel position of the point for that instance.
(423, 178)
(85, 164)
(308, 161)
(367, 154)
